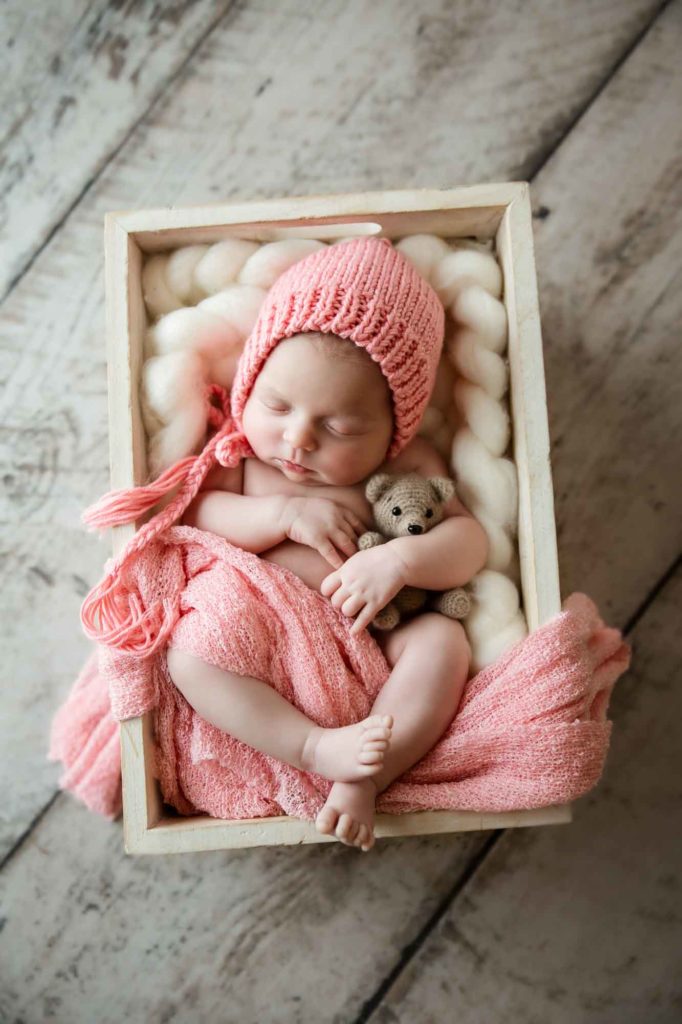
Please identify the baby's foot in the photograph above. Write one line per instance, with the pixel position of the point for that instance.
(349, 813)
(351, 752)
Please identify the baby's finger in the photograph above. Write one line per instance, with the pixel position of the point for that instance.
(356, 522)
(345, 543)
(329, 552)
(363, 620)
(339, 596)
(329, 584)
(352, 605)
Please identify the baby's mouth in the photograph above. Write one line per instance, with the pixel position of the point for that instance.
(293, 467)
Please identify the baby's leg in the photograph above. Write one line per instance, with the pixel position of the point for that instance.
(430, 658)
(255, 713)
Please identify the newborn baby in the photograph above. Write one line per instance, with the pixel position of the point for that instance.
(320, 421)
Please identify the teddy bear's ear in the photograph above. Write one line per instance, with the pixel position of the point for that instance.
(443, 486)
(377, 485)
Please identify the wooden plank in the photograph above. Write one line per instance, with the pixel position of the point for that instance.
(579, 924)
(78, 76)
(611, 308)
(54, 404)
(536, 532)
(584, 923)
(211, 924)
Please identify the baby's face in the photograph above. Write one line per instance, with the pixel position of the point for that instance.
(330, 414)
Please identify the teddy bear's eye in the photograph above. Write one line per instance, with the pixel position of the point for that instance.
(429, 513)
(396, 510)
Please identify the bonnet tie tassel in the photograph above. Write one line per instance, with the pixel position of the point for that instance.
(128, 504)
(115, 615)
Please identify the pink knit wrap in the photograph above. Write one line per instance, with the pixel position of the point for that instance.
(531, 729)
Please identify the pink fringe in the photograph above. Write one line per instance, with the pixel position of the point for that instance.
(127, 505)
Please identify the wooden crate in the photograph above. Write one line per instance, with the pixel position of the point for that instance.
(499, 211)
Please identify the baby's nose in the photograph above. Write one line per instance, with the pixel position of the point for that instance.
(299, 437)
(414, 528)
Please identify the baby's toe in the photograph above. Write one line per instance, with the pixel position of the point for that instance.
(375, 745)
(371, 756)
(364, 838)
(379, 733)
(344, 827)
(353, 833)
(326, 820)
(379, 722)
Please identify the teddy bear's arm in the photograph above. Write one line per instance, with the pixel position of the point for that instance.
(370, 540)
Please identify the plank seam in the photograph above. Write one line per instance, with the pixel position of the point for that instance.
(643, 608)
(621, 60)
(157, 96)
(28, 830)
(414, 945)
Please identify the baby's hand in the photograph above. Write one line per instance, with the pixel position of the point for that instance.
(324, 525)
(366, 583)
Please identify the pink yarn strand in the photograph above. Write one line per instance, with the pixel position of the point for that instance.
(128, 504)
(112, 613)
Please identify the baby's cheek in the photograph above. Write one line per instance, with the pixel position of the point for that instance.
(351, 465)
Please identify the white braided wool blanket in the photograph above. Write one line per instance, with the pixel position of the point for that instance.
(203, 301)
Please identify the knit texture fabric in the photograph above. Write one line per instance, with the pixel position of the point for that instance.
(531, 730)
(366, 291)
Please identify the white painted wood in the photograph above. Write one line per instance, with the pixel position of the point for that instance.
(579, 924)
(268, 75)
(192, 835)
(536, 530)
(77, 77)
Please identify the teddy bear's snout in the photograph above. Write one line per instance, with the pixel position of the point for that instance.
(415, 528)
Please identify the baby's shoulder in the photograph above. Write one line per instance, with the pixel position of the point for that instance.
(221, 478)
(419, 456)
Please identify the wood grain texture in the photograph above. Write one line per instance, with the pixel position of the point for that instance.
(77, 77)
(294, 935)
(204, 928)
(609, 256)
(273, 87)
(578, 924)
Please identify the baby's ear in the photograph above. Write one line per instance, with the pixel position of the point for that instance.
(377, 485)
(443, 486)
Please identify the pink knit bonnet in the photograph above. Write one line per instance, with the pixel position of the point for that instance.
(362, 290)
(365, 291)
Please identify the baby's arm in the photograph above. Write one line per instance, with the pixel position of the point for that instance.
(451, 553)
(259, 523)
(252, 523)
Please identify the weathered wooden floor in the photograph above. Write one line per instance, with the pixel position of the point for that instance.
(114, 106)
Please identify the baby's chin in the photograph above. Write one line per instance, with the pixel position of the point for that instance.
(317, 478)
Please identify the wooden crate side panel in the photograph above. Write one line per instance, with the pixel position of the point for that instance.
(192, 835)
(125, 326)
(536, 528)
(477, 210)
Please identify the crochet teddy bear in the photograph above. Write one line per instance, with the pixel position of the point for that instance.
(409, 504)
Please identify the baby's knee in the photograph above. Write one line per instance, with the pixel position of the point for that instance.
(446, 637)
(185, 671)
